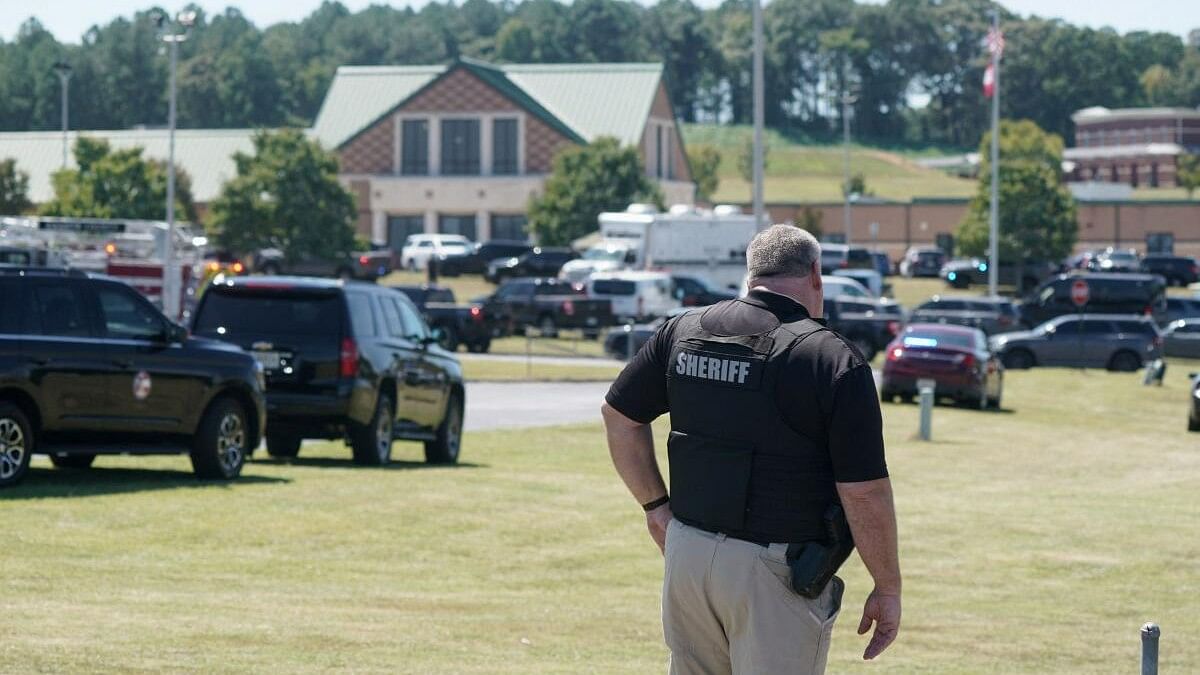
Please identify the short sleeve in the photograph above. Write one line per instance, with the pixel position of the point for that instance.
(640, 391)
(856, 428)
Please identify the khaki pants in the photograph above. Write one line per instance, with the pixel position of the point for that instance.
(728, 607)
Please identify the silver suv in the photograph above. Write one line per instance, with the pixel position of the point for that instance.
(1114, 341)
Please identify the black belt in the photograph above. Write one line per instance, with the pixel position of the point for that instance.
(711, 530)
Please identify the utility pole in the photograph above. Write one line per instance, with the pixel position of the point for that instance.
(63, 70)
(847, 99)
(759, 215)
(996, 46)
(171, 281)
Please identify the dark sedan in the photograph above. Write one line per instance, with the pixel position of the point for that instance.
(991, 315)
(956, 358)
(1182, 339)
(477, 261)
(539, 262)
(697, 292)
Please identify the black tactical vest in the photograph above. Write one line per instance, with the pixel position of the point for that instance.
(736, 466)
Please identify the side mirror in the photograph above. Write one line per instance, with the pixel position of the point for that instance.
(175, 334)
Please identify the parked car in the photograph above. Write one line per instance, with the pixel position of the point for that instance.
(842, 286)
(366, 265)
(842, 256)
(1115, 260)
(539, 262)
(965, 272)
(1182, 339)
(477, 259)
(883, 264)
(453, 323)
(617, 339)
(1194, 413)
(547, 304)
(1108, 294)
(922, 261)
(991, 315)
(88, 367)
(868, 323)
(607, 256)
(1180, 308)
(419, 249)
(342, 360)
(1116, 342)
(694, 291)
(870, 279)
(1178, 270)
(956, 358)
(635, 296)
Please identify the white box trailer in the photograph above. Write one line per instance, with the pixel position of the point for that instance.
(685, 240)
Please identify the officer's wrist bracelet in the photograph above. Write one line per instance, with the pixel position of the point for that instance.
(650, 506)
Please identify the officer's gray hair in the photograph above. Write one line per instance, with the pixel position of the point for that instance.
(782, 251)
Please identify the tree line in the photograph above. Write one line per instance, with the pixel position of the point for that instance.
(913, 67)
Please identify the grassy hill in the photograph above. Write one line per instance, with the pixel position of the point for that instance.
(805, 173)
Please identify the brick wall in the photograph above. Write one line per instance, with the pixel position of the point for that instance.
(372, 151)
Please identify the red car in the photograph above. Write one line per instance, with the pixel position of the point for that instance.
(955, 357)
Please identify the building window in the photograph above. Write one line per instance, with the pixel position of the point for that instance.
(515, 227)
(504, 147)
(414, 147)
(668, 158)
(451, 224)
(460, 147)
(658, 151)
(401, 228)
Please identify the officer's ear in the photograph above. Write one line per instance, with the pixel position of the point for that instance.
(815, 275)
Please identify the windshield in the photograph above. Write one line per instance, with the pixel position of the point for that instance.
(233, 316)
(849, 289)
(608, 254)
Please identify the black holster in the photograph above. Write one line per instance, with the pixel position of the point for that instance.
(814, 563)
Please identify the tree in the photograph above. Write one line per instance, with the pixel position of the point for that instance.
(286, 196)
(810, 219)
(704, 161)
(1037, 213)
(514, 42)
(1188, 173)
(14, 189)
(585, 182)
(857, 186)
(746, 160)
(116, 184)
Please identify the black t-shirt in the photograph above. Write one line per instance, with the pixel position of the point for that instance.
(826, 390)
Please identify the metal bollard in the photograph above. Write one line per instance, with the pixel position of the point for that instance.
(1150, 634)
(925, 389)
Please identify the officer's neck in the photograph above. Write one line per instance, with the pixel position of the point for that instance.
(799, 290)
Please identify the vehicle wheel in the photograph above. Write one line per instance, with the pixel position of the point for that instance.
(445, 449)
(270, 268)
(219, 447)
(591, 335)
(906, 398)
(412, 265)
(887, 395)
(1124, 362)
(1019, 359)
(72, 461)
(1193, 424)
(865, 347)
(449, 340)
(547, 326)
(16, 445)
(283, 446)
(345, 274)
(372, 443)
(480, 346)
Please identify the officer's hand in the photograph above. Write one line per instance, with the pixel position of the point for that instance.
(882, 609)
(657, 521)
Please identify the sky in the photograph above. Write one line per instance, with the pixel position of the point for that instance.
(69, 19)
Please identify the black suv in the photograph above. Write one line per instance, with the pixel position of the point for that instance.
(88, 366)
(1109, 293)
(539, 262)
(1176, 269)
(343, 360)
(477, 261)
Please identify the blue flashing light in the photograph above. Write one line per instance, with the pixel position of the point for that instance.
(952, 275)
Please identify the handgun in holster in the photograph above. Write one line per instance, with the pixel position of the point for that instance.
(814, 563)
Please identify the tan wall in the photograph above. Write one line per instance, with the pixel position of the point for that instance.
(361, 190)
(1100, 224)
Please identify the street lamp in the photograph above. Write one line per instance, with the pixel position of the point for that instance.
(171, 292)
(63, 70)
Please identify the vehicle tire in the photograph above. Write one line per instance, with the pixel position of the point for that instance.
(372, 443)
(591, 335)
(1019, 359)
(1193, 424)
(283, 446)
(16, 444)
(547, 327)
(445, 449)
(412, 265)
(72, 461)
(960, 283)
(887, 395)
(1124, 362)
(906, 398)
(345, 274)
(479, 346)
(270, 269)
(865, 347)
(449, 340)
(219, 446)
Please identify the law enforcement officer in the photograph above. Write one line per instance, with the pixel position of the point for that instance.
(775, 422)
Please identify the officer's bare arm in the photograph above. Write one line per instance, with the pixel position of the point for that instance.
(631, 445)
(872, 516)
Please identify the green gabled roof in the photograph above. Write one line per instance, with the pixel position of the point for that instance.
(581, 101)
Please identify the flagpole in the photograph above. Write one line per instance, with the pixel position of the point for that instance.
(994, 217)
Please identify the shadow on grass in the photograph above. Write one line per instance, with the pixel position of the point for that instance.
(43, 483)
(394, 465)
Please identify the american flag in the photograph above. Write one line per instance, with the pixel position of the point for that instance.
(995, 42)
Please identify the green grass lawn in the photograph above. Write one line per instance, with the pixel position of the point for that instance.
(813, 172)
(503, 371)
(1035, 540)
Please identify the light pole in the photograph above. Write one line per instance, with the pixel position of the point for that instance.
(63, 70)
(170, 286)
(847, 99)
(757, 84)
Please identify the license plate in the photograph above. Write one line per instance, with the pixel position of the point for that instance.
(269, 360)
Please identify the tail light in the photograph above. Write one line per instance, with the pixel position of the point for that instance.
(568, 308)
(214, 266)
(968, 360)
(844, 264)
(893, 327)
(363, 260)
(238, 268)
(476, 314)
(348, 358)
(1148, 310)
(895, 354)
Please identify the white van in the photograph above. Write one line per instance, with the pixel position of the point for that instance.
(419, 248)
(636, 296)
